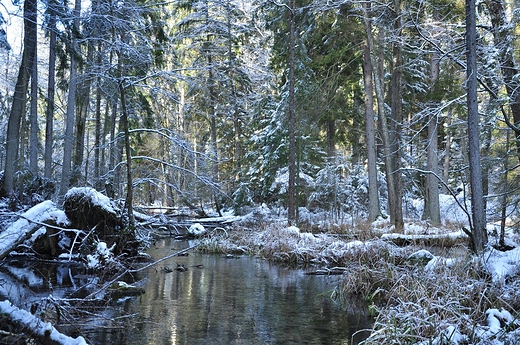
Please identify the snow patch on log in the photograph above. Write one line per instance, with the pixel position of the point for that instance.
(95, 197)
(28, 223)
(43, 331)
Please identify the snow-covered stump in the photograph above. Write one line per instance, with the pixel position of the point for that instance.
(90, 210)
(87, 208)
(24, 227)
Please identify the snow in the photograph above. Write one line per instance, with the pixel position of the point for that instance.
(196, 229)
(94, 196)
(293, 230)
(102, 255)
(22, 227)
(501, 265)
(42, 329)
(421, 255)
(438, 261)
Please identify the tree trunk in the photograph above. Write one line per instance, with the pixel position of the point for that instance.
(71, 106)
(49, 114)
(396, 123)
(478, 226)
(20, 96)
(23, 228)
(373, 195)
(97, 136)
(211, 82)
(331, 140)
(213, 123)
(291, 190)
(505, 190)
(383, 124)
(81, 118)
(447, 155)
(431, 200)
(237, 127)
(128, 152)
(33, 134)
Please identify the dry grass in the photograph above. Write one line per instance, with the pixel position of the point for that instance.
(413, 305)
(283, 245)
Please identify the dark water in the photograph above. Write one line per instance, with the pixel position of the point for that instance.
(226, 301)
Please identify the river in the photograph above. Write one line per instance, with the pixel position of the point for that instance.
(221, 300)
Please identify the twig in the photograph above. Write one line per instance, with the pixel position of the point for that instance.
(463, 208)
(106, 285)
(48, 225)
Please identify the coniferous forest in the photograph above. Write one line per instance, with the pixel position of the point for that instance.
(345, 111)
(348, 106)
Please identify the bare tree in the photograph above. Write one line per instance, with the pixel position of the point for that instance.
(431, 201)
(291, 190)
(18, 107)
(49, 112)
(373, 195)
(33, 118)
(71, 106)
(478, 226)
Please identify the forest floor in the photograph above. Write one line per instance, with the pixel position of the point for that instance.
(424, 286)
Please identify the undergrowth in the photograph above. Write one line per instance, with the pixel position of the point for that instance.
(413, 305)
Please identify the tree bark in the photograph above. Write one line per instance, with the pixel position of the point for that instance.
(49, 114)
(33, 133)
(396, 123)
(81, 118)
(478, 226)
(71, 106)
(447, 155)
(291, 190)
(20, 96)
(128, 152)
(331, 134)
(213, 117)
(97, 135)
(431, 201)
(370, 128)
(383, 124)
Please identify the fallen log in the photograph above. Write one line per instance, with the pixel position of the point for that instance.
(87, 208)
(24, 227)
(44, 332)
(328, 271)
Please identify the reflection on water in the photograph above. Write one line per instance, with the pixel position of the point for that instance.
(226, 301)
(232, 301)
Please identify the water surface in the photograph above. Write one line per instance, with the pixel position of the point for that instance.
(217, 300)
(243, 300)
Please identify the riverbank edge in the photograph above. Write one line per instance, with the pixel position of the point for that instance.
(438, 299)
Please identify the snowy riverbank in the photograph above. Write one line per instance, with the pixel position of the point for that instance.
(420, 294)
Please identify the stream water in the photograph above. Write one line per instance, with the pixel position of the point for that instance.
(221, 300)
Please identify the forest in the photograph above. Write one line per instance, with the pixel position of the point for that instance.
(347, 106)
(347, 112)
